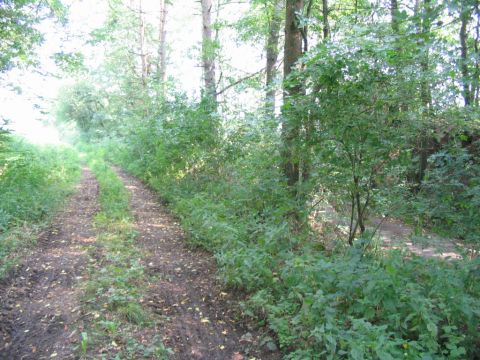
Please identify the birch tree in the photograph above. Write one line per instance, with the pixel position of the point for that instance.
(208, 51)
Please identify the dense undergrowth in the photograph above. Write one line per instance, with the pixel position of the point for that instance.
(117, 321)
(450, 196)
(351, 302)
(370, 122)
(33, 182)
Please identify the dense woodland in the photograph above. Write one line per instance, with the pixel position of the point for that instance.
(367, 108)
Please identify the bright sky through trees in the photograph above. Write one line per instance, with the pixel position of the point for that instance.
(27, 94)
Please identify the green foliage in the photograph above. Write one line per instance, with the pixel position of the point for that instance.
(253, 26)
(180, 141)
(18, 33)
(450, 196)
(370, 106)
(33, 182)
(356, 139)
(84, 106)
(347, 304)
(352, 306)
(84, 343)
(69, 62)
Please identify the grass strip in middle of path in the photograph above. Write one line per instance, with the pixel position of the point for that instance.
(118, 326)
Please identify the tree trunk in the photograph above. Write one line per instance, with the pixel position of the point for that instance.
(360, 210)
(426, 94)
(143, 55)
(394, 16)
(476, 72)
(326, 24)
(208, 51)
(272, 54)
(291, 126)
(465, 17)
(162, 45)
(394, 107)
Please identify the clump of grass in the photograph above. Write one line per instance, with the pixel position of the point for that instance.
(133, 313)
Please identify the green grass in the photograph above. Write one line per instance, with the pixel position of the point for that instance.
(34, 181)
(113, 296)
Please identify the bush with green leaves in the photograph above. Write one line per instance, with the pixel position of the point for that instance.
(358, 138)
(357, 306)
(84, 106)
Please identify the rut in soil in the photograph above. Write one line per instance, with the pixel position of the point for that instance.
(39, 299)
(202, 320)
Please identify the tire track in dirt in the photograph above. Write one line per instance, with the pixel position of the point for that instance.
(39, 300)
(201, 321)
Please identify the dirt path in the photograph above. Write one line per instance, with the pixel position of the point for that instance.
(200, 317)
(393, 234)
(39, 301)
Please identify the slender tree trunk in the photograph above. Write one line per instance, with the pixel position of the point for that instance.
(291, 125)
(272, 54)
(293, 41)
(143, 55)
(393, 108)
(360, 214)
(162, 45)
(304, 29)
(426, 94)
(465, 18)
(394, 16)
(326, 23)
(476, 74)
(208, 51)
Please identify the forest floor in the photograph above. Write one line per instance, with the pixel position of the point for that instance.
(40, 300)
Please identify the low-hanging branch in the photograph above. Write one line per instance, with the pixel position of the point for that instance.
(240, 81)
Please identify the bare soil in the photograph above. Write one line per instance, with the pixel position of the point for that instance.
(201, 317)
(39, 299)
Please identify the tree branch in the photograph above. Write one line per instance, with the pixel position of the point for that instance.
(239, 81)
